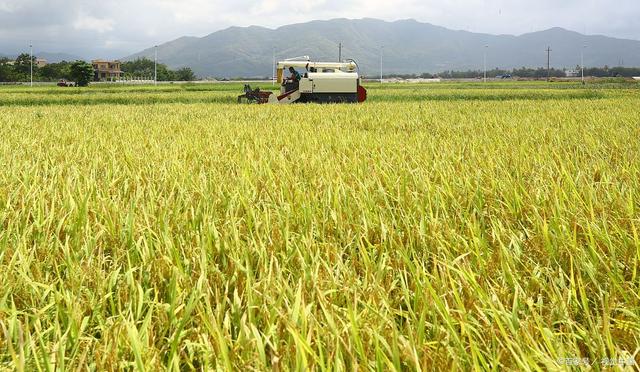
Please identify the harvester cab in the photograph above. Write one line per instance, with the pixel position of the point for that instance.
(321, 82)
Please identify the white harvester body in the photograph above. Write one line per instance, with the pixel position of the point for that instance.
(335, 82)
(321, 82)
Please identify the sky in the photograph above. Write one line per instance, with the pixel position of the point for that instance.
(117, 28)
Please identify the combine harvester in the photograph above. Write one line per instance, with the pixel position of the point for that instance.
(323, 82)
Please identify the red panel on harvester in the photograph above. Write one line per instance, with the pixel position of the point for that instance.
(362, 94)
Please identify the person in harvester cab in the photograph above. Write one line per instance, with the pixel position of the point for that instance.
(295, 75)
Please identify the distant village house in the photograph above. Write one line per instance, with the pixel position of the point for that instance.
(39, 62)
(106, 70)
(572, 73)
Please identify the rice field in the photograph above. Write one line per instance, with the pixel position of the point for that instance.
(435, 227)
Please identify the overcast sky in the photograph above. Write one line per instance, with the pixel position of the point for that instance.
(115, 28)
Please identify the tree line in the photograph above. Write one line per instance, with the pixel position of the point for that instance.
(19, 70)
(144, 67)
(525, 72)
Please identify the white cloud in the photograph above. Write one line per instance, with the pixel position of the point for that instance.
(266, 7)
(118, 27)
(88, 23)
(6, 7)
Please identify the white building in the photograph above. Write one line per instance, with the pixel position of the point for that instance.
(572, 73)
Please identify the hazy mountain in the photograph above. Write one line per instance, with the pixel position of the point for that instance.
(408, 47)
(57, 57)
(50, 57)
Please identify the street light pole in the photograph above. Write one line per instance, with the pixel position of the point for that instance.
(31, 60)
(155, 67)
(485, 62)
(582, 62)
(381, 49)
(549, 63)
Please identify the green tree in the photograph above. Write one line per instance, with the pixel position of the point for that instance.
(7, 73)
(81, 72)
(22, 66)
(144, 67)
(56, 71)
(184, 74)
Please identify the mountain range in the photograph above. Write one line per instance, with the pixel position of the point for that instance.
(58, 57)
(50, 57)
(407, 46)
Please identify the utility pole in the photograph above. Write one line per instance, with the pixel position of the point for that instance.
(548, 63)
(31, 60)
(155, 67)
(273, 71)
(381, 49)
(582, 63)
(485, 62)
(340, 52)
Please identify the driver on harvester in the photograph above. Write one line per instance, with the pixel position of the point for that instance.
(295, 75)
(293, 81)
